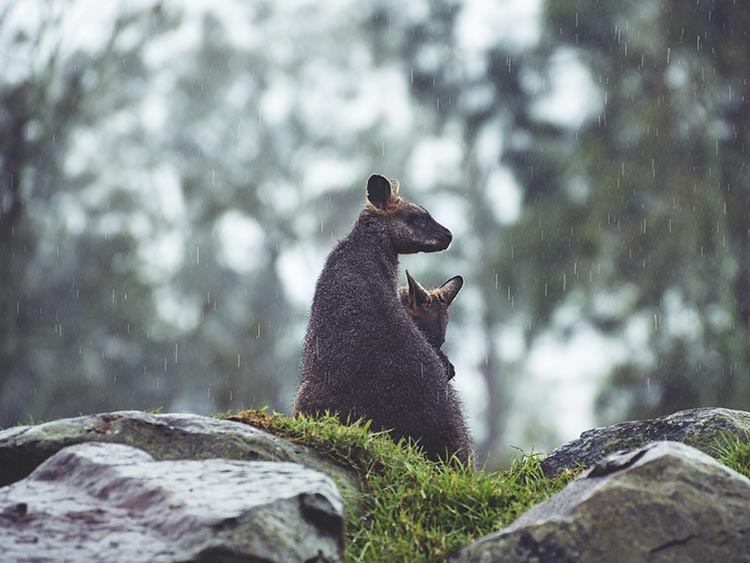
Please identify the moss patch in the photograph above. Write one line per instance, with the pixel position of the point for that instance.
(414, 509)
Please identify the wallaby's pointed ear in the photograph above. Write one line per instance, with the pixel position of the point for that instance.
(394, 186)
(378, 191)
(418, 295)
(450, 289)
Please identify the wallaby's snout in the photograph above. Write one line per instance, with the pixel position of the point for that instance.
(444, 238)
(414, 230)
(434, 236)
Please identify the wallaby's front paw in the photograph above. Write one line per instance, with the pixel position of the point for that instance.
(451, 370)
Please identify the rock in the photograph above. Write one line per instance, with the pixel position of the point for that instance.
(666, 502)
(164, 436)
(701, 428)
(109, 502)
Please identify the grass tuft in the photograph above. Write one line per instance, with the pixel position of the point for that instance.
(414, 509)
(734, 452)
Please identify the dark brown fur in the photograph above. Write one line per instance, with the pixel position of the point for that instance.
(429, 311)
(363, 356)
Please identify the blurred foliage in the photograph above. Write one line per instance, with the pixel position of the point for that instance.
(75, 315)
(664, 165)
(126, 169)
(634, 218)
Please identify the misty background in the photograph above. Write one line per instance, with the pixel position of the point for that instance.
(173, 175)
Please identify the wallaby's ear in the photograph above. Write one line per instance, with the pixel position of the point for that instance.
(450, 289)
(378, 191)
(418, 295)
(394, 186)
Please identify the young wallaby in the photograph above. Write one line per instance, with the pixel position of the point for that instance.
(429, 311)
(363, 356)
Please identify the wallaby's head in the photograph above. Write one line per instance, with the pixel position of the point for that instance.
(409, 226)
(429, 309)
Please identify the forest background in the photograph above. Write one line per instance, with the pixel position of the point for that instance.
(173, 174)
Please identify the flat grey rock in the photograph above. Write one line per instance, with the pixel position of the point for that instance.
(164, 436)
(701, 428)
(108, 502)
(666, 502)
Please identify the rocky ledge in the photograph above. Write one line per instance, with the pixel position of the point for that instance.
(664, 502)
(109, 502)
(701, 428)
(164, 436)
(135, 487)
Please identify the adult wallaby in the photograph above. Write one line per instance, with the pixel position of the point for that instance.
(363, 356)
(429, 311)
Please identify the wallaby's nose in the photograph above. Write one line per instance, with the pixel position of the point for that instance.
(446, 237)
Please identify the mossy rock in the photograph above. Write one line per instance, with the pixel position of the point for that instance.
(165, 437)
(665, 502)
(702, 429)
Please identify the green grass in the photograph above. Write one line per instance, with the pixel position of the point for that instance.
(414, 509)
(734, 452)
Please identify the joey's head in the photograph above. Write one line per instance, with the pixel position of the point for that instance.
(409, 226)
(429, 309)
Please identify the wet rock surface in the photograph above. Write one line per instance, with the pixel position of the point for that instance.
(164, 436)
(132, 486)
(702, 428)
(665, 502)
(110, 502)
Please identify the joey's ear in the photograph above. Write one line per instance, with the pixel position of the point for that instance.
(418, 295)
(378, 191)
(394, 186)
(450, 289)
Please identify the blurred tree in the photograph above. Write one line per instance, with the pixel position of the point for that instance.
(68, 329)
(632, 217)
(650, 196)
(179, 162)
(249, 134)
(160, 190)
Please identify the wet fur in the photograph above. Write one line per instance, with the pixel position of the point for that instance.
(363, 356)
(429, 311)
